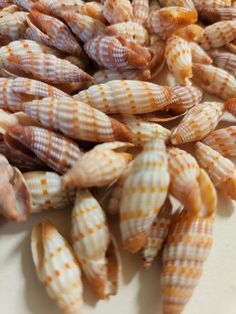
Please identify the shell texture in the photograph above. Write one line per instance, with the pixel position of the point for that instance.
(212, 15)
(140, 10)
(118, 11)
(199, 55)
(157, 51)
(13, 25)
(230, 106)
(225, 60)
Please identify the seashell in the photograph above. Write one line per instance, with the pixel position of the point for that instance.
(223, 141)
(178, 3)
(188, 245)
(144, 192)
(157, 51)
(25, 4)
(55, 150)
(192, 32)
(212, 15)
(117, 54)
(198, 54)
(157, 234)
(168, 20)
(47, 191)
(93, 9)
(225, 60)
(221, 170)
(48, 68)
(13, 25)
(93, 245)
(179, 59)
(76, 120)
(218, 34)
(131, 31)
(198, 123)
(214, 80)
(126, 96)
(141, 10)
(83, 26)
(97, 168)
(230, 106)
(117, 11)
(57, 268)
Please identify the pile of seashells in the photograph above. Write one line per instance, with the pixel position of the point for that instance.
(80, 118)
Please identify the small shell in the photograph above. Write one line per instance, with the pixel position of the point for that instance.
(177, 3)
(198, 123)
(214, 80)
(218, 34)
(55, 150)
(157, 234)
(93, 245)
(223, 141)
(76, 120)
(97, 168)
(225, 60)
(230, 106)
(212, 15)
(198, 54)
(221, 170)
(104, 76)
(167, 20)
(57, 268)
(141, 10)
(114, 54)
(131, 31)
(144, 192)
(13, 25)
(117, 11)
(192, 32)
(179, 59)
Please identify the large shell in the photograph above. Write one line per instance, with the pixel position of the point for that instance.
(179, 59)
(192, 32)
(14, 25)
(76, 120)
(140, 10)
(98, 167)
(144, 192)
(93, 245)
(212, 15)
(55, 150)
(104, 76)
(57, 268)
(221, 170)
(117, 54)
(214, 80)
(225, 60)
(117, 11)
(198, 123)
(198, 54)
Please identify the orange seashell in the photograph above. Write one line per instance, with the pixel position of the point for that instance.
(230, 106)
(225, 60)
(198, 54)
(192, 32)
(117, 11)
(141, 10)
(13, 25)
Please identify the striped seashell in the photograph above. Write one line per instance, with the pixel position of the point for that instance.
(197, 123)
(192, 32)
(178, 3)
(93, 245)
(179, 59)
(200, 5)
(104, 76)
(167, 20)
(218, 34)
(198, 54)
(188, 245)
(141, 10)
(131, 31)
(144, 192)
(55, 150)
(143, 131)
(47, 191)
(76, 120)
(97, 168)
(93, 9)
(157, 234)
(230, 106)
(212, 15)
(25, 4)
(117, 54)
(117, 11)
(126, 96)
(225, 60)
(223, 141)
(13, 25)
(221, 170)
(57, 268)
(48, 68)
(214, 80)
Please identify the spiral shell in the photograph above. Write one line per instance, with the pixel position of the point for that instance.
(225, 60)
(57, 268)
(144, 192)
(192, 32)
(13, 25)
(141, 10)
(198, 54)
(117, 11)
(104, 76)
(198, 123)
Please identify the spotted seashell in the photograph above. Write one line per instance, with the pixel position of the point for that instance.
(178, 3)
(117, 11)
(218, 34)
(225, 60)
(230, 106)
(223, 141)
(214, 80)
(25, 4)
(188, 245)
(221, 170)
(83, 26)
(201, 5)
(131, 31)
(97, 168)
(144, 192)
(13, 25)
(57, 268)
(167, 20)
(157, 234)
(117, 54)
(55, 150)
(212, 15)
(197, 123)
(198, 54)
(192, 32)
(104, 76)
(141, 10)
(93, 245)
(179, 59)
(93, 9)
